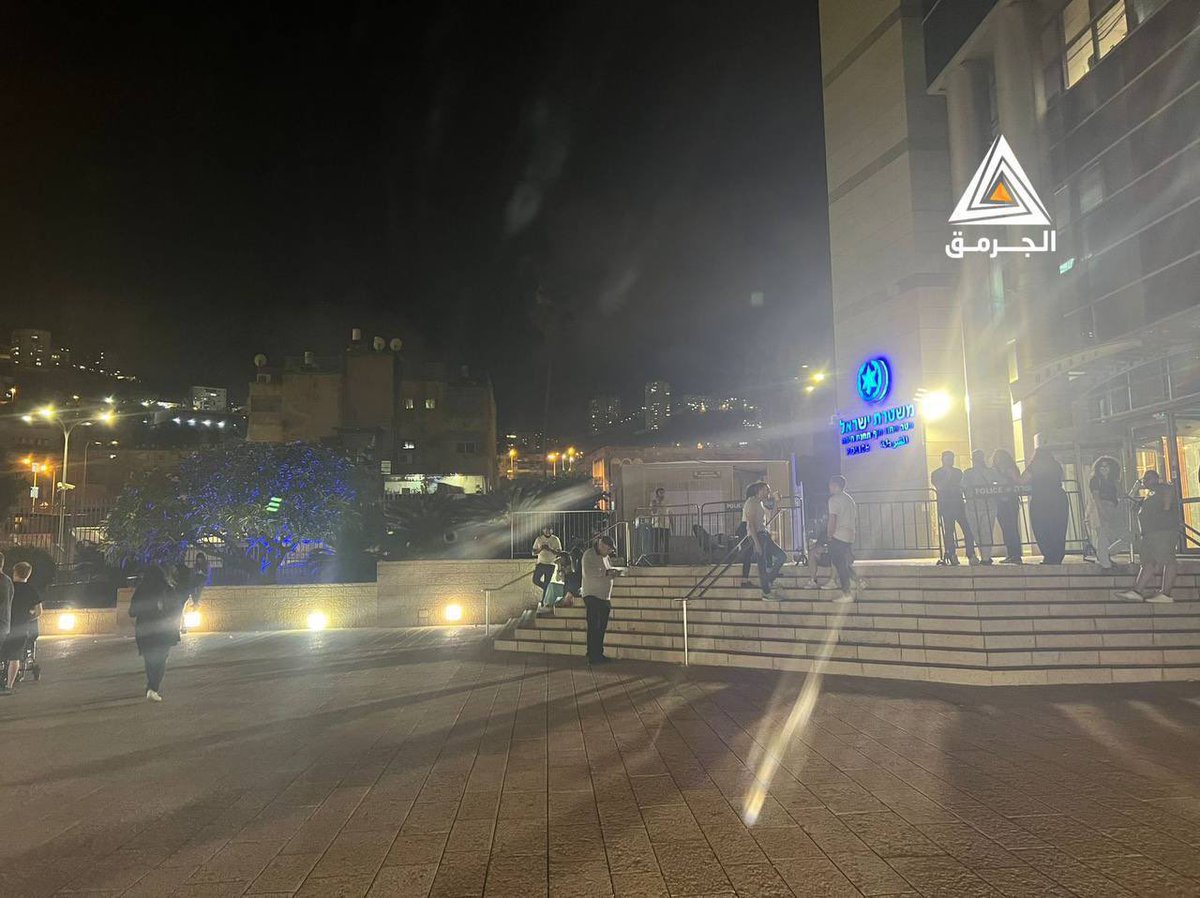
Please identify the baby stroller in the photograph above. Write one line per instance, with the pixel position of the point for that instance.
(29, 663)
(29, 666)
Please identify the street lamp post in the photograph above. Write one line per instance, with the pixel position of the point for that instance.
(553, 459)
(77, 418)
(512, 462)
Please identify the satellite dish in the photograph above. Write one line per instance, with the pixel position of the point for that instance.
(260, 361)
(396, 344)
(378, 344)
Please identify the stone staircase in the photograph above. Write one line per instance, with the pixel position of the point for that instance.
(998, 625)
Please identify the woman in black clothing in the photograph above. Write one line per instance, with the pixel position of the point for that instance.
(1008, 507)
(157, 608)
(1047, 505)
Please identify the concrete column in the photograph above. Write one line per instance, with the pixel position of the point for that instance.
(984, 341)
(1029, 284)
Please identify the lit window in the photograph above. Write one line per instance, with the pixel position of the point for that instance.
(409, 444)
(468, 448)
(408, 403)
(430, 403)
(1091, 28)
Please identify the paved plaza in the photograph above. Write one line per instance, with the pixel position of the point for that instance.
(417, 763)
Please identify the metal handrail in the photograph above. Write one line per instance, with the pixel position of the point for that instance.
(487, 599)
(706, 582)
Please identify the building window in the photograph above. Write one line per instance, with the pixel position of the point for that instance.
(468, 447)
(430, 403)
(409, 444)
(1091, 28)
(409, 404)
(1091, 189)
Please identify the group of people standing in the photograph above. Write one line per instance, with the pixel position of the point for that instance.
(967, 504)
(975, 500)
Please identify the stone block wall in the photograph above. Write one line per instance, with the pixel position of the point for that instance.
(287, 607)
(417, 593)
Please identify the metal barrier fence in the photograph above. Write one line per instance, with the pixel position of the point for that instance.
(905, 524)
(719, 523)
(570, 527)
(666, 535)
(38, 528)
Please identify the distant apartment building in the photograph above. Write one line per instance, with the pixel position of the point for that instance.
(658, 404)
(210, 399)
(604, 413)
(416, 421)
(34, 348)
(697, 404)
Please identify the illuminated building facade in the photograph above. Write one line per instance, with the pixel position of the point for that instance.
(1088, 349)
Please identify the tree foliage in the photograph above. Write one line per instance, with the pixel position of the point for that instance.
(258, 499)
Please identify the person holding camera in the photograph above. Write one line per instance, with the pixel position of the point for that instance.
(1158, 519)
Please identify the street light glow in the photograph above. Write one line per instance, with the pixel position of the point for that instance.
(318, 621)
(191, 619)
(66, 622)
(936, 405)
(819, 376)
(46, 411)
(454, 613)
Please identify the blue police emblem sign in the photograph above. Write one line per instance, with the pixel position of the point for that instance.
(874, 380)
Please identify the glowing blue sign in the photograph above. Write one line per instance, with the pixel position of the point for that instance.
(874, 380)
(887, 429)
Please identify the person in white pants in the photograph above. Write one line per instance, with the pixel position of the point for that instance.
(1108, 523)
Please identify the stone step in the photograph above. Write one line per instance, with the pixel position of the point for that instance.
(847, 647)
(1117, 672)
(850, 634)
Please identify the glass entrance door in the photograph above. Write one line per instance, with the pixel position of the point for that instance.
(1187, 446)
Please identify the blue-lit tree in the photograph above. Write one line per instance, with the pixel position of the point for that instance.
(257, 500)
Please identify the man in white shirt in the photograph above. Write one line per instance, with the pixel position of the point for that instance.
(597, 595)
(546, 549)
(843, 528)
(771, 558)
(660, 523)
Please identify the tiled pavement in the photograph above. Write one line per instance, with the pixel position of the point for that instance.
(356, 763)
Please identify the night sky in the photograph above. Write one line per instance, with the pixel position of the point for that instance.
(188, 184)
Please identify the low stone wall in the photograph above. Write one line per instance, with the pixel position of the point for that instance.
(417, 593)
(406, 594)
(287, 607)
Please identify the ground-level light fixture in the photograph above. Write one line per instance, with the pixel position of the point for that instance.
(191, 619)
(318, 621)
(66, 622)
(453, 613)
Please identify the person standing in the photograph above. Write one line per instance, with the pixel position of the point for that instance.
(771, 558)
(1008, 505)
(660, 523)
(6, 600)
(545, 549)
(981, 510)
(952, 509)
(1047, 504)
(596, 584)
(1107, 524)
(1158, 519)
(842, 528)
(156, 607)
(26, 608)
